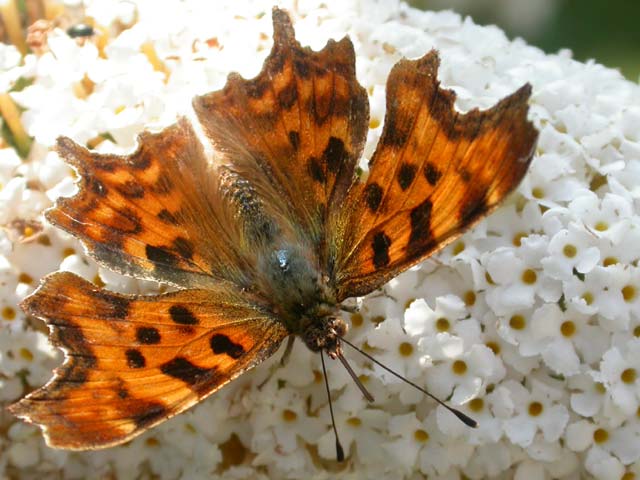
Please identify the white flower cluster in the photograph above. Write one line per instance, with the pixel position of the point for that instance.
(530, 323)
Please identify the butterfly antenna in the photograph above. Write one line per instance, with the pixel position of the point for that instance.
(470, 422)
(339, 450)
(357, 381)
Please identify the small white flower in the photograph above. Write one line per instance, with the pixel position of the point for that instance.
(551, 191)
(621, 297)
(601, 464)
(441, 452)
(583, 293)
(287, 417)
(398, 350)
(588, 397)
(9, 162)
(517, 277)
(625, 251)
(611, 446)
(28, 351)
(362, 431)
(620, 374)
(569, 249)
(533, 411)
(420, 320)
(606, 218)
(490, 460)
(568, 338)
(480, 409)
(508, 226)
(463, 376)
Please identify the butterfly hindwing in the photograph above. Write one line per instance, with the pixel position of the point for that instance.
(296, 130)
(435, 172)
(134, 361)
(141, 214)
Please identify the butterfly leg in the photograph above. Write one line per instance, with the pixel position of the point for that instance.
(287, 350)
(350, 308)
(283, 361)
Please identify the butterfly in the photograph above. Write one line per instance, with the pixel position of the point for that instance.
(265, 240)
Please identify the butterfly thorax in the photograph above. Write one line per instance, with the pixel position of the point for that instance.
(300, 297)
(287, 275)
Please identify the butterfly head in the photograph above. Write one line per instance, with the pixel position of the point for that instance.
(322, 332)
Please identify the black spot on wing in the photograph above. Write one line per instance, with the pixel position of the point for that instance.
(184, 247)
(294, 139)
(148, 335)
(131, 189)
(160, 256)
(288, 96)
(77, 371)
(380, 246)
(182, 315)
(150, 413)
(315, 170)
(222, 344)
(302, 68)
(105, 165)
(373, 196)
(116, 306)
(395, 132)
(167, 217)
(183, 369)
(143, 161)
(128, 221)
(406, 174)
(67, 334)
(432, 174)
(135, 359)
(254, 89)
(334, 154)
(163, 185)
(97, 187)
(420, 225)
(473, 209)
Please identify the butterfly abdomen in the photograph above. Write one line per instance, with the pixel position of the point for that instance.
(258, 226)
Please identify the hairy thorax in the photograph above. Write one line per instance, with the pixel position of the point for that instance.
(301, 298)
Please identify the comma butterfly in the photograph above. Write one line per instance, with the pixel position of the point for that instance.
(266, 240)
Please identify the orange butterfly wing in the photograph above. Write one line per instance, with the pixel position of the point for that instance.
(296, 131)
(141, 214)
(435, 172)
(133, 361)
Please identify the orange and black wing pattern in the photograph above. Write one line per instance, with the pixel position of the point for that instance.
(155, 214)
(282, 176)
(134, 361)
(435, 172)
(296, 130)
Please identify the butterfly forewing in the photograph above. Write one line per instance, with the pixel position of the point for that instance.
(141, 214)
(134, 361)
(435, 172)
(295, 131)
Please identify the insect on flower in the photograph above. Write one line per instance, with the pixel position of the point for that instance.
(264, 241)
